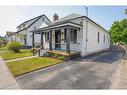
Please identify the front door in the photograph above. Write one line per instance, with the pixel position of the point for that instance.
(57, 39)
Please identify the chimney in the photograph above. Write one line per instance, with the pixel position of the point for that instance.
(55, 17)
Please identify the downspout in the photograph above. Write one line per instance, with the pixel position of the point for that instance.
(86, 27)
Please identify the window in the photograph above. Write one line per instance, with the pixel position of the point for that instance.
(73, 36)
(98, 37)
(104, 39)
(43, 19)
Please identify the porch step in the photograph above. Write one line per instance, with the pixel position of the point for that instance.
(42, 52)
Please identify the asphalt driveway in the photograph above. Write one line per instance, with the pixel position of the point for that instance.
(93, 72)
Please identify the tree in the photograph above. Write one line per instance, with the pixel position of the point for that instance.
(118, 31)
(125, 11)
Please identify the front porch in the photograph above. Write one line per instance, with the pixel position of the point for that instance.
(61, 40)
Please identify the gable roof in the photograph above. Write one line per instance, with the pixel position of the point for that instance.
(35, 18)
(77, 16)
(70, 17)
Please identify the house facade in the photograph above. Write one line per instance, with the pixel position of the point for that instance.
(23, 34)
(73, 34)
(10, 36)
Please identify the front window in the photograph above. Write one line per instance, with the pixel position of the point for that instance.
(73, 36)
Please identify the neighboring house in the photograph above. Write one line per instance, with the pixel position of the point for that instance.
(73, 34)
(23, 34)
(10, 36)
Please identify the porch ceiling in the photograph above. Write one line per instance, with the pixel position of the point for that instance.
(58, 25)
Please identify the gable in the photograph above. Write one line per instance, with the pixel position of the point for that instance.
(43, 25)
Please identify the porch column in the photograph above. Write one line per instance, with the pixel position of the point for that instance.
(32, 39)
(68, 41)
(50, 40)
(41, 38)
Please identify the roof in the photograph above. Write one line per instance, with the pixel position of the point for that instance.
(57, 25)
(33, 19)
(36, 19)
(71, 17)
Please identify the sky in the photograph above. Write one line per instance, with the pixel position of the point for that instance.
(12, 16)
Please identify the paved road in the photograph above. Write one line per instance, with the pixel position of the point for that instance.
(93, 72)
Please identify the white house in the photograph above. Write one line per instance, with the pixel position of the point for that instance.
(73, 34)
(23, 34)
(10, 36)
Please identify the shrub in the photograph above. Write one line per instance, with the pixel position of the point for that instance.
(14, 46)
(55, 55)
(51, 54)
(61, 57)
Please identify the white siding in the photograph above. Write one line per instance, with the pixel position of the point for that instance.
(42, 22)
(92, 44)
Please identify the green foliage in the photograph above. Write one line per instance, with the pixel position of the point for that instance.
(118, 31)
(125, 11)
(14, 46)
(61, 57)
(55, 55)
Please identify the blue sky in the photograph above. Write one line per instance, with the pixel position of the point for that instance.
(12, 16)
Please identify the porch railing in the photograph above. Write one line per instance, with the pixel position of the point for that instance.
(62, 46)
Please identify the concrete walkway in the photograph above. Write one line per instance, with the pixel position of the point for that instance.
(20, 58)
(7, 81)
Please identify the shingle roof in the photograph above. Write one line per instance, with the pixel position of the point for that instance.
(71, 16)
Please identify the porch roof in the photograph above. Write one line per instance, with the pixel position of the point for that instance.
(58, 25)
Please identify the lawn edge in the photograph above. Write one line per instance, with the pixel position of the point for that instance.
(38, 69)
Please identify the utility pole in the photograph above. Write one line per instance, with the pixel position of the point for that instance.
(86, 26)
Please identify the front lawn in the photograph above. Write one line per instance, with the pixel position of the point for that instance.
(3, 48)
(7, 55)
(27, 65)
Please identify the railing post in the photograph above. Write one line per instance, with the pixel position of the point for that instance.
(41, 38)
(68, 41)
(33, 39)
(50, 40)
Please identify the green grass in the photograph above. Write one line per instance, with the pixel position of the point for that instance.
(27, 65)
(7, 55)
(3, 48)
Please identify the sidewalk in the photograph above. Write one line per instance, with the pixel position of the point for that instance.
(7, 81)
(121, 77)
(20, 58)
